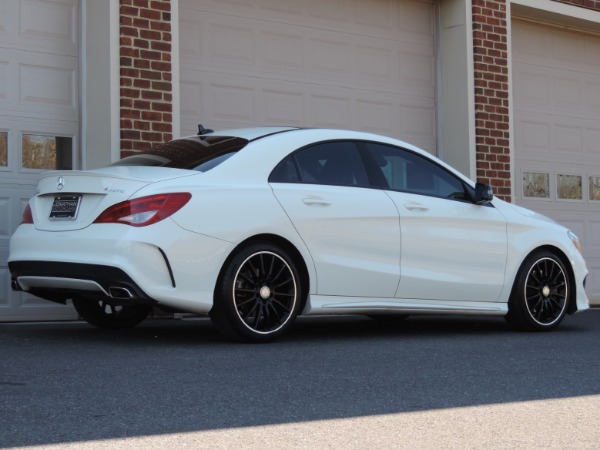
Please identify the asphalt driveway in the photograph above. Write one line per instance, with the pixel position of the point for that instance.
(346, 382)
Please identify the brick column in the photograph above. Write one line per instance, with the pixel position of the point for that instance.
(146, 75)
(490, 50)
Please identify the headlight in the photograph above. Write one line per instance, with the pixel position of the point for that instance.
(575, 240)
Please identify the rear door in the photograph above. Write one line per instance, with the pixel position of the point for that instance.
(352, 231)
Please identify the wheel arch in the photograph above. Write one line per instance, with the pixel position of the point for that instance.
(572, 306)
(281, 242)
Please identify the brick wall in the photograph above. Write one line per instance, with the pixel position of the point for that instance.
(490, 52)
(146, 75)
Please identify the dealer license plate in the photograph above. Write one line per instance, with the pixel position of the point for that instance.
(65, 207)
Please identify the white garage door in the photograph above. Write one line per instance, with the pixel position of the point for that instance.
(38, 121)
(556, 76)
(361, 64)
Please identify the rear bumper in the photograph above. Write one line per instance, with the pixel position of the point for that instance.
(60, 281)
(161, 263)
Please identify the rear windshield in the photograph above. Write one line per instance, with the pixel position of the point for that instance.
(199, 153)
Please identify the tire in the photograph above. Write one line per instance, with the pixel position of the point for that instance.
(103, 315)
(258, 295)
(541, 293)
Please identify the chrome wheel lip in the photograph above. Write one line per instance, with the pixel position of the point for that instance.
(548, 297)
(262, 290)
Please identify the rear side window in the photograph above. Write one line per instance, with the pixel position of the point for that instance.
(331, 163)
(200, 153)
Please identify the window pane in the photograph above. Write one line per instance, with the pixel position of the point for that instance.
(3, 148)
(407, 171)
(336, 163)
(536, 184)
(569, 187)
(47, 152)
(200, 153)
(594, 188)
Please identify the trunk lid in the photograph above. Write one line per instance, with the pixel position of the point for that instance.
(72, 200)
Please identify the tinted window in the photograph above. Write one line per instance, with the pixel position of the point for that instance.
(200, 153)
(406, 171)
(335, 163)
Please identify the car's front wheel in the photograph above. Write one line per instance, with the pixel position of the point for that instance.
(104, 315)
(259, 294)
(541, 293)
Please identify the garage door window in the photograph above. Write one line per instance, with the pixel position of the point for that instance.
(536, 185)
(47, 152)
(594, 188)
(569, 187)
(3, 147)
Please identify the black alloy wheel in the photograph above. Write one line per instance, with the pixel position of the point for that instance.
(260, 294)
(104, 315)
(541, 293)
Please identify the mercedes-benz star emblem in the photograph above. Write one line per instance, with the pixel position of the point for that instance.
(60, 183)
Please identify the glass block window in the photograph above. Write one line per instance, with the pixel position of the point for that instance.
(568, 187)
(3, 148)
(536, 184)
(47, 152)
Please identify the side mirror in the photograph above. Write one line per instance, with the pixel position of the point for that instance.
(483, 193)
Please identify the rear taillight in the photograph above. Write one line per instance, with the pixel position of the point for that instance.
(27, 215)
(144, 211)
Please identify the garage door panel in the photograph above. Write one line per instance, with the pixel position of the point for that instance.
(37, 25)
(225, 101)
(344, 64)
(216, 43)
(411, 20)
(39, 63)
(38, 85)
(561, 138)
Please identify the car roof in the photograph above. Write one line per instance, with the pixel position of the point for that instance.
(252, 133)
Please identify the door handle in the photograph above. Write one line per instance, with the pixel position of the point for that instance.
(416, 207)
(315, 201)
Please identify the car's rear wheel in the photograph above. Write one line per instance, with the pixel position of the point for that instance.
(259, 294)
(541, 293)
(103, 315)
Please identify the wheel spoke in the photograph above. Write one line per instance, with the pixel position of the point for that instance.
(281, 305)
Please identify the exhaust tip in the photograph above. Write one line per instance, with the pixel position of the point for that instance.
(120, 292)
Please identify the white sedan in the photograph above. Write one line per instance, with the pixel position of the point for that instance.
(256, 226)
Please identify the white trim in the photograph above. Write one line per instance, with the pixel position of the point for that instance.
(511, 105)
(115, 88)
(176, 105)
(471, 90)
(576, 12)
(438, 113)
(82, 156)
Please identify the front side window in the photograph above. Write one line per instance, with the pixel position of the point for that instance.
(200, 153)
(329, 163)
(408, 172)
